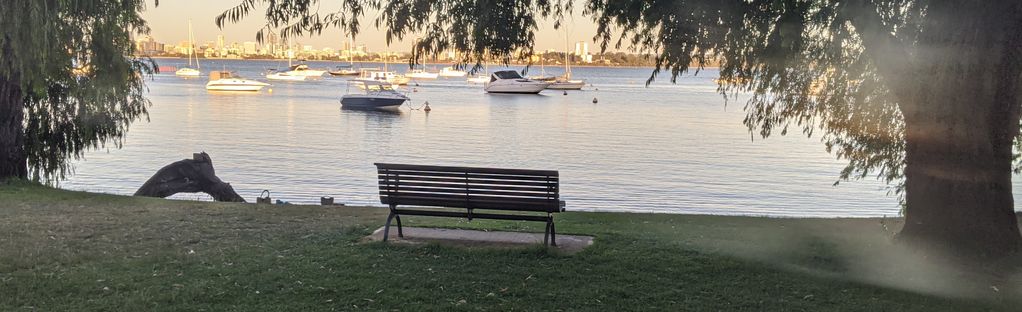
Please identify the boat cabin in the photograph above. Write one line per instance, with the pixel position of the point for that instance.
(505, 74)
(221, 74)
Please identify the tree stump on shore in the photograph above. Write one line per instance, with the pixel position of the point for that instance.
(189, 176)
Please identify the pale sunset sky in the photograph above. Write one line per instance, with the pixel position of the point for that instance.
(169, 23)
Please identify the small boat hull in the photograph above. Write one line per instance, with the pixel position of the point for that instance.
(187, 72)
(285, 77)
(307, 72)
(530, 87)
(567, 85)
(343, 73)
(370, 102)
(235, 85)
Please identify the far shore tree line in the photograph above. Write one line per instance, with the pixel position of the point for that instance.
(925, 95)
(546, 58)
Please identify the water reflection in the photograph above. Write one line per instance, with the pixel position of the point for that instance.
(663, 148)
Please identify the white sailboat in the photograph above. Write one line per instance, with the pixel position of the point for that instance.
(346, 70)
(564, 82)
(481, 77)
(188, 71)
(542, 72)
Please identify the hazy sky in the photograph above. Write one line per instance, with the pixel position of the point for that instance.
(169, 23)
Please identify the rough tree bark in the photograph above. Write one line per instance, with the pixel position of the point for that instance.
(189, 176)
(13, 162)
(962, 107)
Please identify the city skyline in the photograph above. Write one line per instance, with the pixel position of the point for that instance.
(169, 24)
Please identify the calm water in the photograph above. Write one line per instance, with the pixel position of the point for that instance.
(664, 148)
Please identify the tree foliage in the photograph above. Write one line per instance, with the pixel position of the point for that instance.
(804, 62)
(73, 62)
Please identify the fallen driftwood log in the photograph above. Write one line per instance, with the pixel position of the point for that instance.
(189, 176)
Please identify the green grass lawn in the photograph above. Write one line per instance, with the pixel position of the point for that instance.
(62, 250)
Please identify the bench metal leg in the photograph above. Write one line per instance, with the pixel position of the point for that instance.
(400, 232)
(546, 234)
(553, 233)
(386, 228)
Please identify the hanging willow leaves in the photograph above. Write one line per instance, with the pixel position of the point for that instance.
(80, 86)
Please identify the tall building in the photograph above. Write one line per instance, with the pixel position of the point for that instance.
(220, 48)
(273, 41)
(249, 48)
(581, 48)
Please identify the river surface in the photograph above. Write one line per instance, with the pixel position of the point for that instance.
(666, 148)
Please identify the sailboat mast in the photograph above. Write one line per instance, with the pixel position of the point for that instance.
(191, 43)
(567, 63)
(351, 57)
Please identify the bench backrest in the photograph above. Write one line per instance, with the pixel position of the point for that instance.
(469, 187)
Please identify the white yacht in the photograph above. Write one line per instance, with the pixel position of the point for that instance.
(374, 95)
(228, 81)
(451, 72)
(188, 71)
(285, 76)
(303, 70)
(509, 81)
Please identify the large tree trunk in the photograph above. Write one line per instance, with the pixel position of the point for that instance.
(961, 112)
(12, 135)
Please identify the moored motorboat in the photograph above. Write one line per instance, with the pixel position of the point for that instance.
(285, 76)
(374, 95)
(304, 70)
(228, 81)
(509, 81)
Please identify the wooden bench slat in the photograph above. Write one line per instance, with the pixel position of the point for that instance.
(464, 191)
(502, 205)
(546, 188)
(401, 179)
(463, 176)
(466, 169)
(467, 200)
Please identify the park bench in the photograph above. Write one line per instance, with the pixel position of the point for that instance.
(502, 194)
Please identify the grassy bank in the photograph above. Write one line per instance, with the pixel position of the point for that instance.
(63, 250)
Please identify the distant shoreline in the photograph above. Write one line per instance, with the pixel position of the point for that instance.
(436, 63)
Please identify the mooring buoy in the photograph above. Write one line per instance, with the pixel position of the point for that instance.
(565, 92)
(426, 109)
(595, 101)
